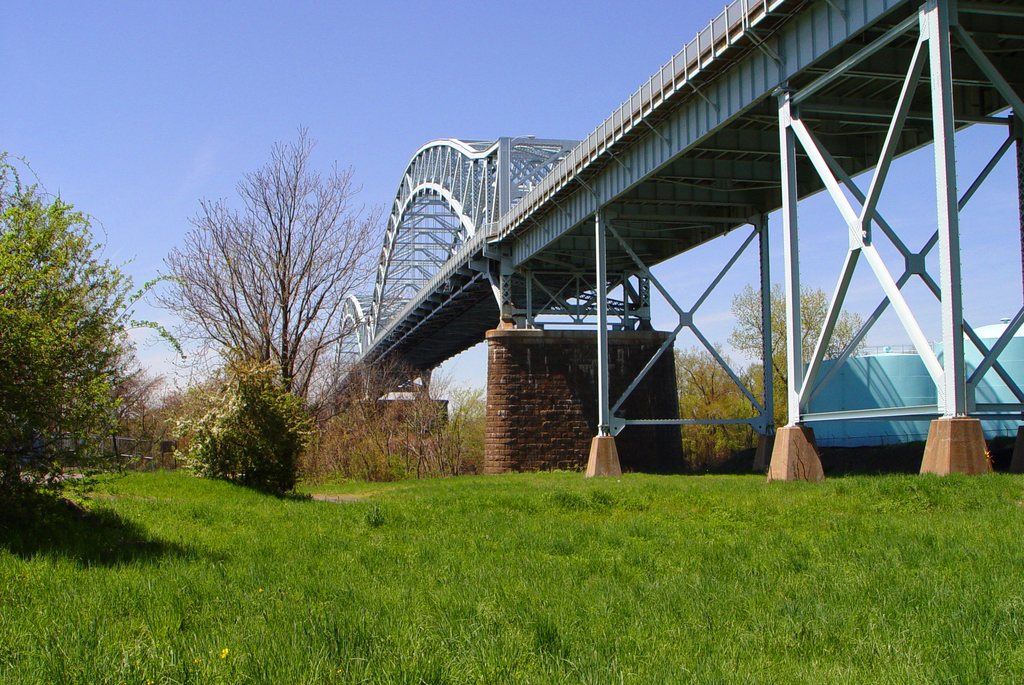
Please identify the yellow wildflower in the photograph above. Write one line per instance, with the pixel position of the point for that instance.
(224, 653)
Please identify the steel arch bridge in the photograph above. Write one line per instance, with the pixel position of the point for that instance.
(774, 101)
(451, 194)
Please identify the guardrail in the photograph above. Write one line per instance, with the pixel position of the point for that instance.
(721, 33)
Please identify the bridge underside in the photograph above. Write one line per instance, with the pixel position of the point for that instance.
(709, 147)
(733, 173)
(469, 311)
(675, 199)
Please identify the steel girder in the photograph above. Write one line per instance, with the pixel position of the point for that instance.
(701, 155)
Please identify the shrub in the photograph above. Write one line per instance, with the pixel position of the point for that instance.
(418, 436)
(249, 429)
(63, 315)
(392, 440)
(374, 516)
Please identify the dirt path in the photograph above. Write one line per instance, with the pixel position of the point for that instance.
(340, 499)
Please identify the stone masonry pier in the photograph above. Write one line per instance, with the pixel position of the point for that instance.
(542, 400)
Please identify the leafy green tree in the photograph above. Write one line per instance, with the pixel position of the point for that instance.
(63, 316)
(248, 428)
(747, 333)
(707, 392)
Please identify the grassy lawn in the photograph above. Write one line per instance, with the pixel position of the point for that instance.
(522, 579)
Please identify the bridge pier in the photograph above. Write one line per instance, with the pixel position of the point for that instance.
(542, 400)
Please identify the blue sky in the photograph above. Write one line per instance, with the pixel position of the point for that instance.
(134, 111)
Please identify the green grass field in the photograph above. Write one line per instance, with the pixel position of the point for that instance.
(542, 578)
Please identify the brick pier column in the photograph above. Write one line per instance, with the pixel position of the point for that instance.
(542, 400)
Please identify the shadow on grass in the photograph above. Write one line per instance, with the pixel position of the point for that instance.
(843, 461)
(40, 524)
(853, 461)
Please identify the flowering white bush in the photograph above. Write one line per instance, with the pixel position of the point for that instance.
(251, 430)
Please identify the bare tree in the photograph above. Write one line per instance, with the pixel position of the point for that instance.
(137, 393)
(267, 281)
(382, 432)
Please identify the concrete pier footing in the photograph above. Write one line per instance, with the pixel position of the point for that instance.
(795, 455)
(604, 458)
(1017, 461)
(763, 453)
(955, 445)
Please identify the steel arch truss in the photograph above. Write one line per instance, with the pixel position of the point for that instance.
(448, 190)
(354, 340)
(451, 194)
(935, 32)
(523, 163)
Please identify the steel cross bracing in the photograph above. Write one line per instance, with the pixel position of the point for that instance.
(930, 37)
(611, 424)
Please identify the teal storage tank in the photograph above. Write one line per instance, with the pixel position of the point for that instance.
(992, 389)
(887, 379)
(894, 379)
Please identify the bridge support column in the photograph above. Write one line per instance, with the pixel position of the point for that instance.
(604, 458)
(766, 426)
(542, 399)
(955, 442)
(794, 453)
(1017, 460)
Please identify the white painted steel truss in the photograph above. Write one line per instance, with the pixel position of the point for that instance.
(935, 27)
(448, 190)
(354, 332)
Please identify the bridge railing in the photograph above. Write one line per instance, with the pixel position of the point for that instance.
(721, 33)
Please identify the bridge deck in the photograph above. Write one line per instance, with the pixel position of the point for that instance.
(712, 162)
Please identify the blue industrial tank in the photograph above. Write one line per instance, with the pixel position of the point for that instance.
(992, 389)
(900, 379)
